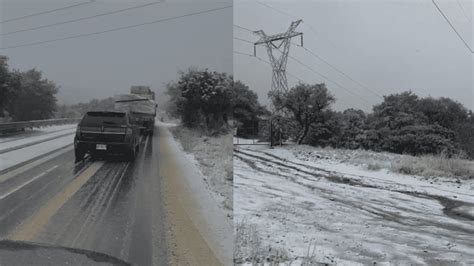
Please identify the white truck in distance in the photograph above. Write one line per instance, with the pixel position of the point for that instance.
(141, 103)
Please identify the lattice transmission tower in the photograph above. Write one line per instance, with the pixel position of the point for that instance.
(278, 63)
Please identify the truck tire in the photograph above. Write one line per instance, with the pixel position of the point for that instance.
(79, 155)
(93, 156)
(132, 154)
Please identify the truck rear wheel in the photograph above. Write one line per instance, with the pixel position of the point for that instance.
(94, 156)
(132, 154)
(79, 154)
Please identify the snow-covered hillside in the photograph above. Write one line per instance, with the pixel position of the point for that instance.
(325, 209)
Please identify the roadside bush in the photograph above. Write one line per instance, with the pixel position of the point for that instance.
(246, 110)
(403, 123)
(352, 124)
(327, 132)
(201, 99)
(418, 140)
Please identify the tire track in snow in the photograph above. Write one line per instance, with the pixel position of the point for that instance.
(278, 164)
(451, 207)
(404, 226)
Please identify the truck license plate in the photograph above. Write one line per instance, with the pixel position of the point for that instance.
(101, 147)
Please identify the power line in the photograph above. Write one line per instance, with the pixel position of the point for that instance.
(328, 79)
(317, 56)
(243, 40)
(452, 26)
(241, 53)
(268, 63)
(48, 11)
(118, 29)
(464, 11)
(277, 10)
(83, 18)
(339, 71)
(320, 74)
(243, 28)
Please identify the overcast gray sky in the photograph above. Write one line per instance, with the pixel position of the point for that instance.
(388, 46)
(102, 65)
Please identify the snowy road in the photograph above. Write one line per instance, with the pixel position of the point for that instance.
(124, 209)
(349, 214)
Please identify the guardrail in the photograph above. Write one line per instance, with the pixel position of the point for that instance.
(22, 125)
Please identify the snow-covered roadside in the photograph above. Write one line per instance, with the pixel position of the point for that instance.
(213, 157)
(46, 135)
(217, 197)
(35, 132)
(348, 213)
(205, 210)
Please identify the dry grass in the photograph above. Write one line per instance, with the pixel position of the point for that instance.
(186, 137)
(428, 165)
(370, 159)
(311, 257)
(374, 166)
(435, 166)
(248, 248)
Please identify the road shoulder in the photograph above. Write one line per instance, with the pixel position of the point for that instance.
(199, 228)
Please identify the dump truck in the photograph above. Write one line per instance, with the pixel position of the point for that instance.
(143, 91)
(141, 103)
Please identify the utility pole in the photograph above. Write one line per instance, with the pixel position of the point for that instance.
(277, 41)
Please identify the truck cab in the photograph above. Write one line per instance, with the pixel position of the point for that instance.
(107, 133)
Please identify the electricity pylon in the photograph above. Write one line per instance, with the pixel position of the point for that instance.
(277, 41)
(279, 80)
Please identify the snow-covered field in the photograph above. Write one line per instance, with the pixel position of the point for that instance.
(23, 147)
(346, 214)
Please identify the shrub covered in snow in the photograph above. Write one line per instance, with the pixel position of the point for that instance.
(402, 123)
(201, 98)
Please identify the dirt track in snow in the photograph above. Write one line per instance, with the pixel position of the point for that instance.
(352, 218)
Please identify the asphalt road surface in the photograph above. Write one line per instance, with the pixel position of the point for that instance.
(123, 209)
